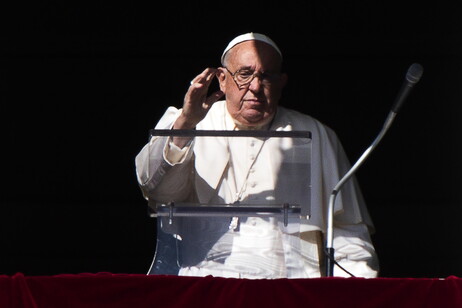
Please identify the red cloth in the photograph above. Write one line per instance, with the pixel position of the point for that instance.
(125, 290)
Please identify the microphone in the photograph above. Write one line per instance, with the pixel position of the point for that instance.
(413, 76)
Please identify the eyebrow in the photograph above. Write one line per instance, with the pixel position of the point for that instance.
(246, 68)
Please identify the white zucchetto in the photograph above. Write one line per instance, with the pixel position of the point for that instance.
(249, 37)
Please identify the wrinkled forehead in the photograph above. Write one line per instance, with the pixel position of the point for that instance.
(254, 54)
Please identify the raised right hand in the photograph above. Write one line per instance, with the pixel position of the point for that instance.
(196, 102)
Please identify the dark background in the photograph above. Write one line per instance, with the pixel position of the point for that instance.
(81, 85)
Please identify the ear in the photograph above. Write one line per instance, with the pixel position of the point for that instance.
(221, 76)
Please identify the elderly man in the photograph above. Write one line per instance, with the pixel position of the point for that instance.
(205, 170)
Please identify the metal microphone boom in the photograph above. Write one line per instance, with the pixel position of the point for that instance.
(413, 76)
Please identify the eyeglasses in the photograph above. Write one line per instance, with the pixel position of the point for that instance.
(244, 77)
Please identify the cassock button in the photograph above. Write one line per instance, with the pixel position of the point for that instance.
(252, 221)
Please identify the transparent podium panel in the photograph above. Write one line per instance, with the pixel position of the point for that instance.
(233, 203)
(228, 239)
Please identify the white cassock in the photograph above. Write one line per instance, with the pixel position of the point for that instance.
(253, 171)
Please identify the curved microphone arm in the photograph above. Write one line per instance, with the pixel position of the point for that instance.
(413, 76)
(330, 210)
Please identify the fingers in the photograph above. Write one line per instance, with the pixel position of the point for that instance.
(204, 78)
(210, 100)
(196, 101)
(197, 92)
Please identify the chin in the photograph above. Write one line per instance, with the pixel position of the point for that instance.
(254, 122)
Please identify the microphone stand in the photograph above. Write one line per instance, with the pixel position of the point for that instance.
(330, 251)
(413, 76)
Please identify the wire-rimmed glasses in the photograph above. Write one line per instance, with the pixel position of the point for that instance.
(243, 77)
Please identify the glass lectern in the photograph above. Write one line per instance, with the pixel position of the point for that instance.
(255, 231)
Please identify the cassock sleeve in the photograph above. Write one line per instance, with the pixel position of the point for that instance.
(165, 172)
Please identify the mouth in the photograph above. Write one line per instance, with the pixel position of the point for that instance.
(253, 111)
(253, 103)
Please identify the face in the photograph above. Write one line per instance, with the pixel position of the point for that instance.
(255, 103)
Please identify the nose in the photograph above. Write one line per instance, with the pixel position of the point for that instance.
(255, 84)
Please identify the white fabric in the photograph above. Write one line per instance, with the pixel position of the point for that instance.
(223, 182)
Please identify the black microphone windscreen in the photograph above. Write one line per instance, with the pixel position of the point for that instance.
(414, 73)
